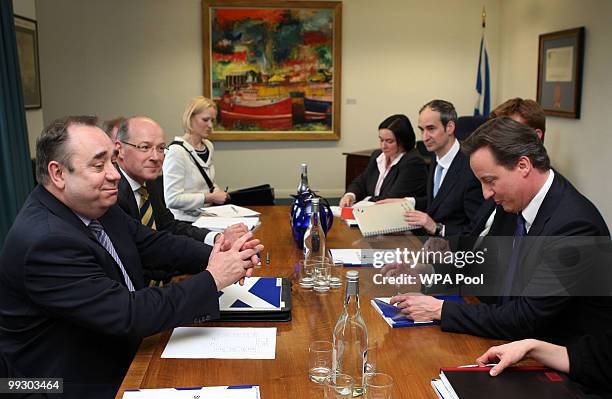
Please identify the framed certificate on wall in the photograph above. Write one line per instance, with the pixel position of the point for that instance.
(560, 60)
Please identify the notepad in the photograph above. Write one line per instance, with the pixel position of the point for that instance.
(514, 382)
(384, 218)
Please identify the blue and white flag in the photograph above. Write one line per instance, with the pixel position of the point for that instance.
(483, 90)
(257, 293)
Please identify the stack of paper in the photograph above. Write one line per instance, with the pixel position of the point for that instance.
(227, 392)
(221, 223)
(229, 211)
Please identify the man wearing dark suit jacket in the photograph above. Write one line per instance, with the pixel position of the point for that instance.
(527, 112)
(453, 193)
(72, 297)
(140, 144)
(551, 265)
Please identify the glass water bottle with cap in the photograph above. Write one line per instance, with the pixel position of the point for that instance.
(314, 238)
(350, 340)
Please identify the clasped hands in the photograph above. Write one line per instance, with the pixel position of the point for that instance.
(234, 256)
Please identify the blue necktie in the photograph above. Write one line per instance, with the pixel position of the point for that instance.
(437, 179)
(105, 241)
(519, 233)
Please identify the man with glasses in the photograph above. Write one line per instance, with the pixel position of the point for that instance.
(141, 146)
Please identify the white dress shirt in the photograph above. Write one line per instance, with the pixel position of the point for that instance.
(531, 210)
(446, 161)
(135, 186)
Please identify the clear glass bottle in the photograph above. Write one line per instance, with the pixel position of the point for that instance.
(303, 187)
(350, 341)
(314, 238)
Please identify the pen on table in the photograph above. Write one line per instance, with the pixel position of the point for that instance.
(267, 258)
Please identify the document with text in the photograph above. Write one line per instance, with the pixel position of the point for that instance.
(221, 343)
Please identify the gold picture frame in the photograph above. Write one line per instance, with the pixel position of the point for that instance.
(26, 33)
(273, 68)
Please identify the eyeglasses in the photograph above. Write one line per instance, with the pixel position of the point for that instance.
(147, 147)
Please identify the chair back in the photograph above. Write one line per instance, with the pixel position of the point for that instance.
(467, 124)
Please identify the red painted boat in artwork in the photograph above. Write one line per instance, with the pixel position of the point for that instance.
(265, 114)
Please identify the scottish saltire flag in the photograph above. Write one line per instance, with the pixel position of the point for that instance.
(483, 88)
(257, 293)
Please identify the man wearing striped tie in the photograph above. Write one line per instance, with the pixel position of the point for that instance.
(141, 144)
(73, 303)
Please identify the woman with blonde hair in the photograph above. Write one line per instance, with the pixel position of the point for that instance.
(189, 174)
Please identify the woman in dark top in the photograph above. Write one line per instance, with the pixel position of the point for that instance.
(587, 361)
(396, 170)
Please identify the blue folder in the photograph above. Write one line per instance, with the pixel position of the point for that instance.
(393, 316)
(260, 299)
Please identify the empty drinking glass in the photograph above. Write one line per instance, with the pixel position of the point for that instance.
(320, 361)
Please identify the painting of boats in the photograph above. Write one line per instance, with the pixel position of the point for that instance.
(263, 114)
(273, 69)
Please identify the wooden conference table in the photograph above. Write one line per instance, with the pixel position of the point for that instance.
(412, 356)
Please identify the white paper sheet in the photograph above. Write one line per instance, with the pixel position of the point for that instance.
(346, 256)
(195, 393)
(221, 343)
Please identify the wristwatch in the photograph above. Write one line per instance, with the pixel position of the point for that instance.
(439, 229)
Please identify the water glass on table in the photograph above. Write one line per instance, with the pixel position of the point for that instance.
(319, 361)
(338, 386)
(335, 275)
(378, 386)
(321, 276)
(305, 274)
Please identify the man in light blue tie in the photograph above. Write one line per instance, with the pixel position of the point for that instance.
(71, 282)
(453, 192)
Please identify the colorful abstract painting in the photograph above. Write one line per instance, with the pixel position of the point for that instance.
(273, 69)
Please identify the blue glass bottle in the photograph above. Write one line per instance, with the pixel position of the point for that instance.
(302, 208)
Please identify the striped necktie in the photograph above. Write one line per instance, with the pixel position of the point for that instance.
(105, 241)
(146, 210)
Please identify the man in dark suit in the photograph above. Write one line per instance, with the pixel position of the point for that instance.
(141, 144)
(527, 112)
(453, 193)
(550, 269)
(72, 297)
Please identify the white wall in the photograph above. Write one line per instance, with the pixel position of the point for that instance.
(579, 148)
(120, 57)
(34, 118)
